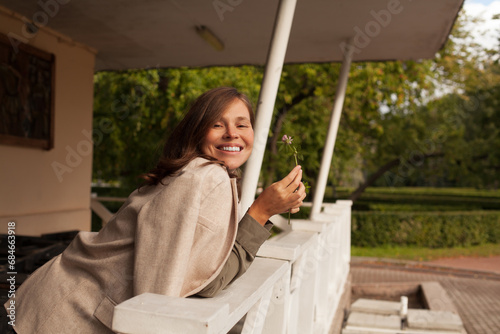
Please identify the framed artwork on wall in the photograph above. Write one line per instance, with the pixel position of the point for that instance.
(26, 95)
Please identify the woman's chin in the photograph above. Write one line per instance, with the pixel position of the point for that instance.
(233, 162)
(233, 166)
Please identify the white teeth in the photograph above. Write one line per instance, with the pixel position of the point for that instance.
(231, 149)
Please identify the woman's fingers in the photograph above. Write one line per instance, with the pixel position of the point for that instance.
(299, 196)
(290, 183)
(292, 177)
(294, 185)
(282, 196)
(301, 191)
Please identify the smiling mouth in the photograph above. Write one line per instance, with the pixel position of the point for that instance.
(230, 148)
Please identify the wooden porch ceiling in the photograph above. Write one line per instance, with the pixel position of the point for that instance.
(162, 33)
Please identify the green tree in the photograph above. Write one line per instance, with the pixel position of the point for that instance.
(303, 109)
(391, 131)
(437, 141)
(134, 111)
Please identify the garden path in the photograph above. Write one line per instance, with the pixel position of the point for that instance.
(473, 284)
(491, 263)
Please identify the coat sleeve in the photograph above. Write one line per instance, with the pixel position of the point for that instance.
(251, 235)
(178, 243)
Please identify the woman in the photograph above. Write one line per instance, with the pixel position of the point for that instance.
(177, 235)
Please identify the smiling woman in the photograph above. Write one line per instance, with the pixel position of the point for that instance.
(207, 121)
(180, 234)
(231, 138)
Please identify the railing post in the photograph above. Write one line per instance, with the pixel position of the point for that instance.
(277, 319)
(326, 160)
(267, 98)
(100, 210)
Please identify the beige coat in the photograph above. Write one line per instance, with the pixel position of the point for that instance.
(170, 239)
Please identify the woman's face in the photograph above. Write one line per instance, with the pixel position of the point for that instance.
(230, 139)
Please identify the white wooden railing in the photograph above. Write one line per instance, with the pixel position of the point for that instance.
(294, 286)
(99, 209)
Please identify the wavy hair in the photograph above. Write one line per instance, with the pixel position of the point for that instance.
(184, 143)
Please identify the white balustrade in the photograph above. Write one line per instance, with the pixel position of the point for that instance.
(261, 291)
(294, 286)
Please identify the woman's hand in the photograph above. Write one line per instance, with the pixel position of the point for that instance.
(279, 197)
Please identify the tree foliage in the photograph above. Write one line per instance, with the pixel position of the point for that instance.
(433, 122)
(136, 110)
(450, 139)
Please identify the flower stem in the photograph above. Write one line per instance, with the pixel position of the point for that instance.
(296, 163)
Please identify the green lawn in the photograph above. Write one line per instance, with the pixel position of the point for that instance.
(426, 254)
(425, 191)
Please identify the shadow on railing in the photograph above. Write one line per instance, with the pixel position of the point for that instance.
(295, 285)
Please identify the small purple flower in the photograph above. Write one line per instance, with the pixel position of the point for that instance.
(287, 140)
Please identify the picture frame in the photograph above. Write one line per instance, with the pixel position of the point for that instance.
(27, 87)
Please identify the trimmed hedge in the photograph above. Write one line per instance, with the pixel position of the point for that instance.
(425, 229)
(423, 199)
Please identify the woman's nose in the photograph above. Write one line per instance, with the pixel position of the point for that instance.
(231, 132)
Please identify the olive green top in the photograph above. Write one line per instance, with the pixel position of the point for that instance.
(251, 235)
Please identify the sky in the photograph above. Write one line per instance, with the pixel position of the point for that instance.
(488, 32)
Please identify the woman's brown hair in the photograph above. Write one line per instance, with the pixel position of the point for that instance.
(183, 144)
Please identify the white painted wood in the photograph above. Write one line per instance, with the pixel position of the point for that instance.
(321, 307)
(277, 319)
(307, 278)
(337, 264)
(281, 222)
(344, 202)
(320, 267)
(100, 210)
(267, 98)
(293, 286)
(324, 277)
(309, 225)
(152, 313)
(293, 319)
(333, 127)
(246, 291)
(287, 246)
(319, 271)
(254, 322)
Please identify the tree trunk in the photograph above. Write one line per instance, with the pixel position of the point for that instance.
(357, 193)
(391, 164)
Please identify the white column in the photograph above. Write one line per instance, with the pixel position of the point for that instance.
(333, 127)
(267, 98)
